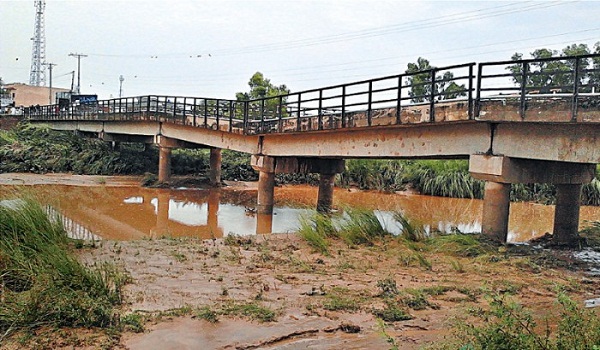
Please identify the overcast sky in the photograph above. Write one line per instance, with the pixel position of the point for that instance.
(212, 48)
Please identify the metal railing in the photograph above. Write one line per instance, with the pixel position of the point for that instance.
(534, 90)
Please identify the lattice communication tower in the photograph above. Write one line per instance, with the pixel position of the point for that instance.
(37, 77)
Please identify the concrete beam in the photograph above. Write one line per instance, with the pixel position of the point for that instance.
(427, 140)
(292, 165)
(212, 138)
(514, 170)
(564, 142)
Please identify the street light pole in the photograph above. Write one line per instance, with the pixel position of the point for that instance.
(78, 55)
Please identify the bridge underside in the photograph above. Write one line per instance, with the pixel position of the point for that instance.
(500, 153)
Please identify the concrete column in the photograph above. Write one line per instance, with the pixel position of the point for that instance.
(164, 164)
(496, 204)
(214, 174)
(566, 214)
(325, 198)
(266, 190)
(264, 223)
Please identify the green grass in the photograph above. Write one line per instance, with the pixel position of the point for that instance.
(42, 282)
(509, 325)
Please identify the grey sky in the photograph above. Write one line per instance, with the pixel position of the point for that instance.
(156, 45)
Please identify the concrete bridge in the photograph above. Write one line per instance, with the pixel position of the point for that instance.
(511, 130)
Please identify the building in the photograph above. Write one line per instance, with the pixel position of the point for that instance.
(25, 95)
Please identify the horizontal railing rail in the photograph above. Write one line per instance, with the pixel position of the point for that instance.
(531, 89)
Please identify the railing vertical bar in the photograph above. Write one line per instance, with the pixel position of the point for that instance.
(174, 108)
(205, 113)
(298, 117)
(399, 102)
(478, 100)
(280, 114)
(320, 111)
(246, 107)
(432, 97)
(523, 102)
(262, 116)
(183, 116)
(344, 106)
(217, 112)
(470, 104)
(195, 112)
(575, 98)
(369, 103)
(231, 112)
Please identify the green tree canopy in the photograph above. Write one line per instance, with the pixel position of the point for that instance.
(547, 75)
(260, 87)
(420, 83)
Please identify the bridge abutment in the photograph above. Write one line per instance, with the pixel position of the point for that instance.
(500, 171)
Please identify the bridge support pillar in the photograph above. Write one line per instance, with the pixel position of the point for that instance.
(566, 214)
(214, 175)
(266, 191)
(325, 197)
(501, 171)
(164, 164)
(496, 204)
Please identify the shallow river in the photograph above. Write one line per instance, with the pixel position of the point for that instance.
(125, 213)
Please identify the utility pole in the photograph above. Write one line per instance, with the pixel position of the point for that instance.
(78, 55)
(50, 66)
(121, 86)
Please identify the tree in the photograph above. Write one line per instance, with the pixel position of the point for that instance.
(420, 83)
(556, 74)
(262, 88)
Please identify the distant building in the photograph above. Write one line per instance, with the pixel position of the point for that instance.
(26, 95)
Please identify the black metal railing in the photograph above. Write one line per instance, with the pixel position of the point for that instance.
(564, 89)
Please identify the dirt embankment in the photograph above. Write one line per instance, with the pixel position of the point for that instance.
(318, 301)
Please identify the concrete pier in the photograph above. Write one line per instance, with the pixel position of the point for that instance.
(214, 174)
(496, 204)
(266, 191)
(500, 171)
(325, 197)
(164, 164)
(566, 214)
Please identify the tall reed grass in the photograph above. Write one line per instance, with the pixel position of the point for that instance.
(41, 281)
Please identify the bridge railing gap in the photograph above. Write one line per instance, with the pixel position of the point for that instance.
(553, 89)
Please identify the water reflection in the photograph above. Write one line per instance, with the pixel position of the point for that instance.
(125, 213)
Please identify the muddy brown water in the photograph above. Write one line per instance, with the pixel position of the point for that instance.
(132, 212)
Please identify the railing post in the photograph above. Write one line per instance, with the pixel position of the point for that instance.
(205, 113)
(231, 113)
(320, 111)
(183, 113)
(575, 98)
(369, 103)
(344, 106)
(280, 114)
(262, 115)
(470, 104)
(246, 107)
(432, 97)
(478, 101)
(174, 108)
(217, 113)
(523, 103)
(298, 117)
(399, 102)
(195, 112)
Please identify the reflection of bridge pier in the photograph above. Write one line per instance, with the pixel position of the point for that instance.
(167, 227)
(499, 172)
